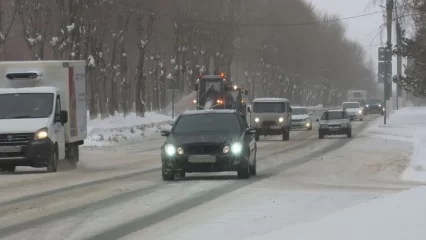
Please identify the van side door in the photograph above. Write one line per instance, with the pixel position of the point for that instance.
(59, 129)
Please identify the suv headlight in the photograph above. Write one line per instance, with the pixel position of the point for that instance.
(41, 134)
(281, 120)
(170, 149)
(237, 148)
(360, 111)
(256, 119)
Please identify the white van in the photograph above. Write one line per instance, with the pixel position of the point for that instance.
(42, 113)
(271, 116)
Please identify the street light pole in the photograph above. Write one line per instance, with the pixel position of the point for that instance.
(387, 84)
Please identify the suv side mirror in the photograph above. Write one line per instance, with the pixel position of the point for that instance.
(250, 131)
(63, 118)
(165, 133)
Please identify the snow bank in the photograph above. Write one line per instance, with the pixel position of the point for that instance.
(118, 128)
(407, 124)
(395, 217)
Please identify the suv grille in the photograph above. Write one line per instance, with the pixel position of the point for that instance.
(15, 139)
(266, 124)
(203, 149)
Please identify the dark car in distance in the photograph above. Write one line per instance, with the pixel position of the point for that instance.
(209, 141)
(374, 105)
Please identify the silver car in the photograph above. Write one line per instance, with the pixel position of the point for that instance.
(334, 122)
(301, 118)
(271, 116)
(354, 110)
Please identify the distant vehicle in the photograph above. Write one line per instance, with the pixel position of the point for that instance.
(43, 115)
(334, 122)
(359, 96)
(271, 116)
(216, 92)
(209, 141)
(354, 110)
(301, 118)
(374, 105)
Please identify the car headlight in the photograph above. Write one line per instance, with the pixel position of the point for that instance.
(237, 148)
(256, 119)
(41, 134)
(281, 120)
(380, 105)
(367, 105)
(308, 124)
(179, 151)
(360, 111)
(226, 149)
(170, 149)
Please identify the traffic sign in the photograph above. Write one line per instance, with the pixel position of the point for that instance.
(382, 71)
(385, 54)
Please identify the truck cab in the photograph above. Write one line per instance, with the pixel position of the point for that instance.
(36, 99)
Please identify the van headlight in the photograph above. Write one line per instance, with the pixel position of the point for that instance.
(281, 120)
(360, 111)
(170, 150)
(256, 119)
(236, 148)
(41, 134)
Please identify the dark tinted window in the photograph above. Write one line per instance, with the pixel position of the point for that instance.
(350, 105)
(300, 111)
(334, 115)
(26, 105)
(215, 122)
(269, 107)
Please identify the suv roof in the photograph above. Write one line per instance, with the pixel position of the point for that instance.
(270, 100)
(206, 111)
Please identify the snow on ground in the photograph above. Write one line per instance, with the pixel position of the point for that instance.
(118, 128)
(399, 216)
(408, 124)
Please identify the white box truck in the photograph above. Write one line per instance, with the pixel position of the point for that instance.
(42, 113)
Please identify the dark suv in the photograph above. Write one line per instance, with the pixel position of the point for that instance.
(209, 141)
(374, 105)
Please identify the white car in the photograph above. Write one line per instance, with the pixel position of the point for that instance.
(301, 118)
(354, 110)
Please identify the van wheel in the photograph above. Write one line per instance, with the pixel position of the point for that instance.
(286, 135)
(52, 164)
(74, 156)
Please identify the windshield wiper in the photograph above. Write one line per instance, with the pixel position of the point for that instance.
(22, 116)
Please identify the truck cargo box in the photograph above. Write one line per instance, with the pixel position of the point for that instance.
(68, 76)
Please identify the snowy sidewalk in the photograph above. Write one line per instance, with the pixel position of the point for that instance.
(407, 124)
(399, 216)
(118, 128)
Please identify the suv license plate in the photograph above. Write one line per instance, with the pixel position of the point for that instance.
(10, 149)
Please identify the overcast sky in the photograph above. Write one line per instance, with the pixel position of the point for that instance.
(363, 29)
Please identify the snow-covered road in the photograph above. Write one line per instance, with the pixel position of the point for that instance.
(118, 192)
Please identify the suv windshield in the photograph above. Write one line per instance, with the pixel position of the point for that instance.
(374, 101)
(299, 111)
(214, 122)
(350, 105)
(26, 105)
(268, 107)
(334, 115)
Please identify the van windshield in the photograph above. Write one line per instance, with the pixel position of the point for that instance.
(269, 107)
(26, 105)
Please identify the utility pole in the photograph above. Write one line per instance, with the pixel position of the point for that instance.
(398, 61)
(388, 82)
